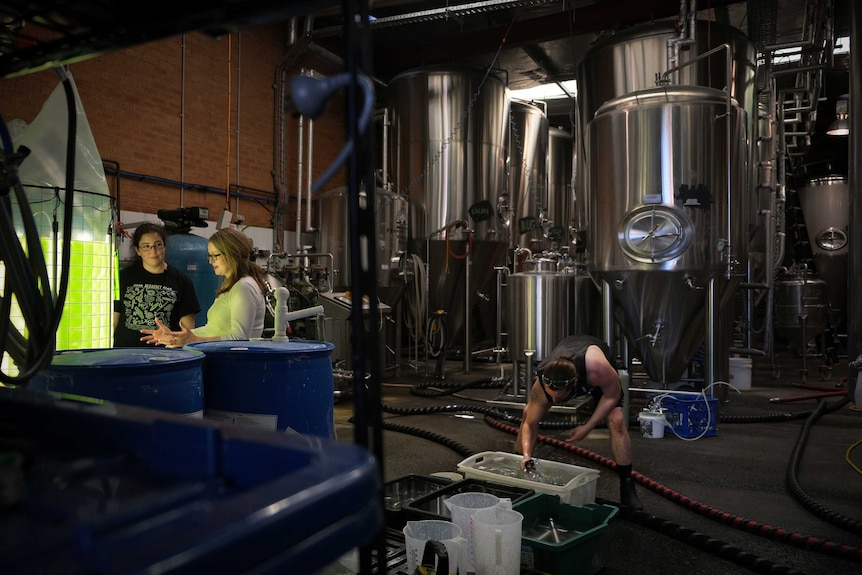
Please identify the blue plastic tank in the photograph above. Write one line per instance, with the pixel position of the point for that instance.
(155, 378)
(188, 253)
(270, 385)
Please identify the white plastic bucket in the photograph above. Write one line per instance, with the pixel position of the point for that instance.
(652, 425)
(417, 533)
(463, 506)
(740, 373)
(497, 541)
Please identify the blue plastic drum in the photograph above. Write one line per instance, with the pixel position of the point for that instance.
(155, 378)
(270, 385)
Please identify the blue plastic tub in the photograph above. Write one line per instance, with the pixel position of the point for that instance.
(114, 489)
(155, 378)
(270, 385)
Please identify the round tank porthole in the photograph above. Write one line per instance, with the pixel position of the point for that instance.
(831, 239)
(655, 234)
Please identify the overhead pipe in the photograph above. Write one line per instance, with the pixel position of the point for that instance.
(197, 187)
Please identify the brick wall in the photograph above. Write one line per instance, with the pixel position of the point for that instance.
(162, 110)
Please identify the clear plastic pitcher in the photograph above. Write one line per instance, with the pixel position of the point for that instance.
(497, 541)
(417, 533)
(462, 506)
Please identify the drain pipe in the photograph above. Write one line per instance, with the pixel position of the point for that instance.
(308, 177)
(502, 272)
(300, 140)
(468, 332)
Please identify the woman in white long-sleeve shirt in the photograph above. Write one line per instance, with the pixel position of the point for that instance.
(239, 308)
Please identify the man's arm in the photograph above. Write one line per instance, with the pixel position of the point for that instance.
(534, 411)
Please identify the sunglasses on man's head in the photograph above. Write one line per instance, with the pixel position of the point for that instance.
(556, 384)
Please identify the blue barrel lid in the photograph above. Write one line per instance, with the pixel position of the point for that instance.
(262, 346)
(124, 356)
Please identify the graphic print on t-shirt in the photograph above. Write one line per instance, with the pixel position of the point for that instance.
(146, 302)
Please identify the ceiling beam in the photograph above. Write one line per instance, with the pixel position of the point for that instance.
(585, 20)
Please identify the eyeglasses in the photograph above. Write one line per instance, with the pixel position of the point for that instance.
(556, 384)
(147, 247)
(213, 257)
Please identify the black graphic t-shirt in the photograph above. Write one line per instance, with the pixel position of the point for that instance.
(145, 296)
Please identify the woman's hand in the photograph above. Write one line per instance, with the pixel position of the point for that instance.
(162, 335)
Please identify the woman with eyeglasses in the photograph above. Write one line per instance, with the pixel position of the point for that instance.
(581, 365)
(239, 309)
(152, 290)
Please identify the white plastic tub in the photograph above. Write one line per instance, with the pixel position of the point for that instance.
(573, 484)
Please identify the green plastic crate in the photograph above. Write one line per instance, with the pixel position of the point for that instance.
(583, 536)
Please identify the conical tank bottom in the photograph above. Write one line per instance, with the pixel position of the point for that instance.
(663, 315)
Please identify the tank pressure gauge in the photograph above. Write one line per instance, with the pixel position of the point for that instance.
(831, 239)
(655, 234)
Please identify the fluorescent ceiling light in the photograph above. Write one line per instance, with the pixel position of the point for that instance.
(546, 91)
(794, 54)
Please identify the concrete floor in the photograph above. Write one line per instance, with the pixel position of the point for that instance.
(718, 504)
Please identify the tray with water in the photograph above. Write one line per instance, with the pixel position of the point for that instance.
(572, 483)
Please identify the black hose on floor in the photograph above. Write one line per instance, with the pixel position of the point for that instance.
(443, 388)
(775, 417)
(818, 510)
(487, 411)
(704, 542)
(455, 446)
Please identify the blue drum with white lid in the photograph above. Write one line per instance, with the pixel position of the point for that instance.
(281, 386)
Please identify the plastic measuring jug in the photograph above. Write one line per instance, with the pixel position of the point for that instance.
(497, 541)
(462, 506)
(418, 533)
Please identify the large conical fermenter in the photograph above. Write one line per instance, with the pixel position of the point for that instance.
(662, 187)
(448, 148)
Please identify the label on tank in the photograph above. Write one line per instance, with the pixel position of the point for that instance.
(259, 420)
(481, 211)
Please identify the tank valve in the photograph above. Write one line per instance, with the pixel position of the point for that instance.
(689, 282)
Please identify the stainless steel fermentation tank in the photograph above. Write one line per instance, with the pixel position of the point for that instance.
(561, 197)
(658, 175)
(448, 148)
(624, 62)
(391, 213)
(826, 209)
(801, 311)
(663, 181)
(547, 305)
(528, 176)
